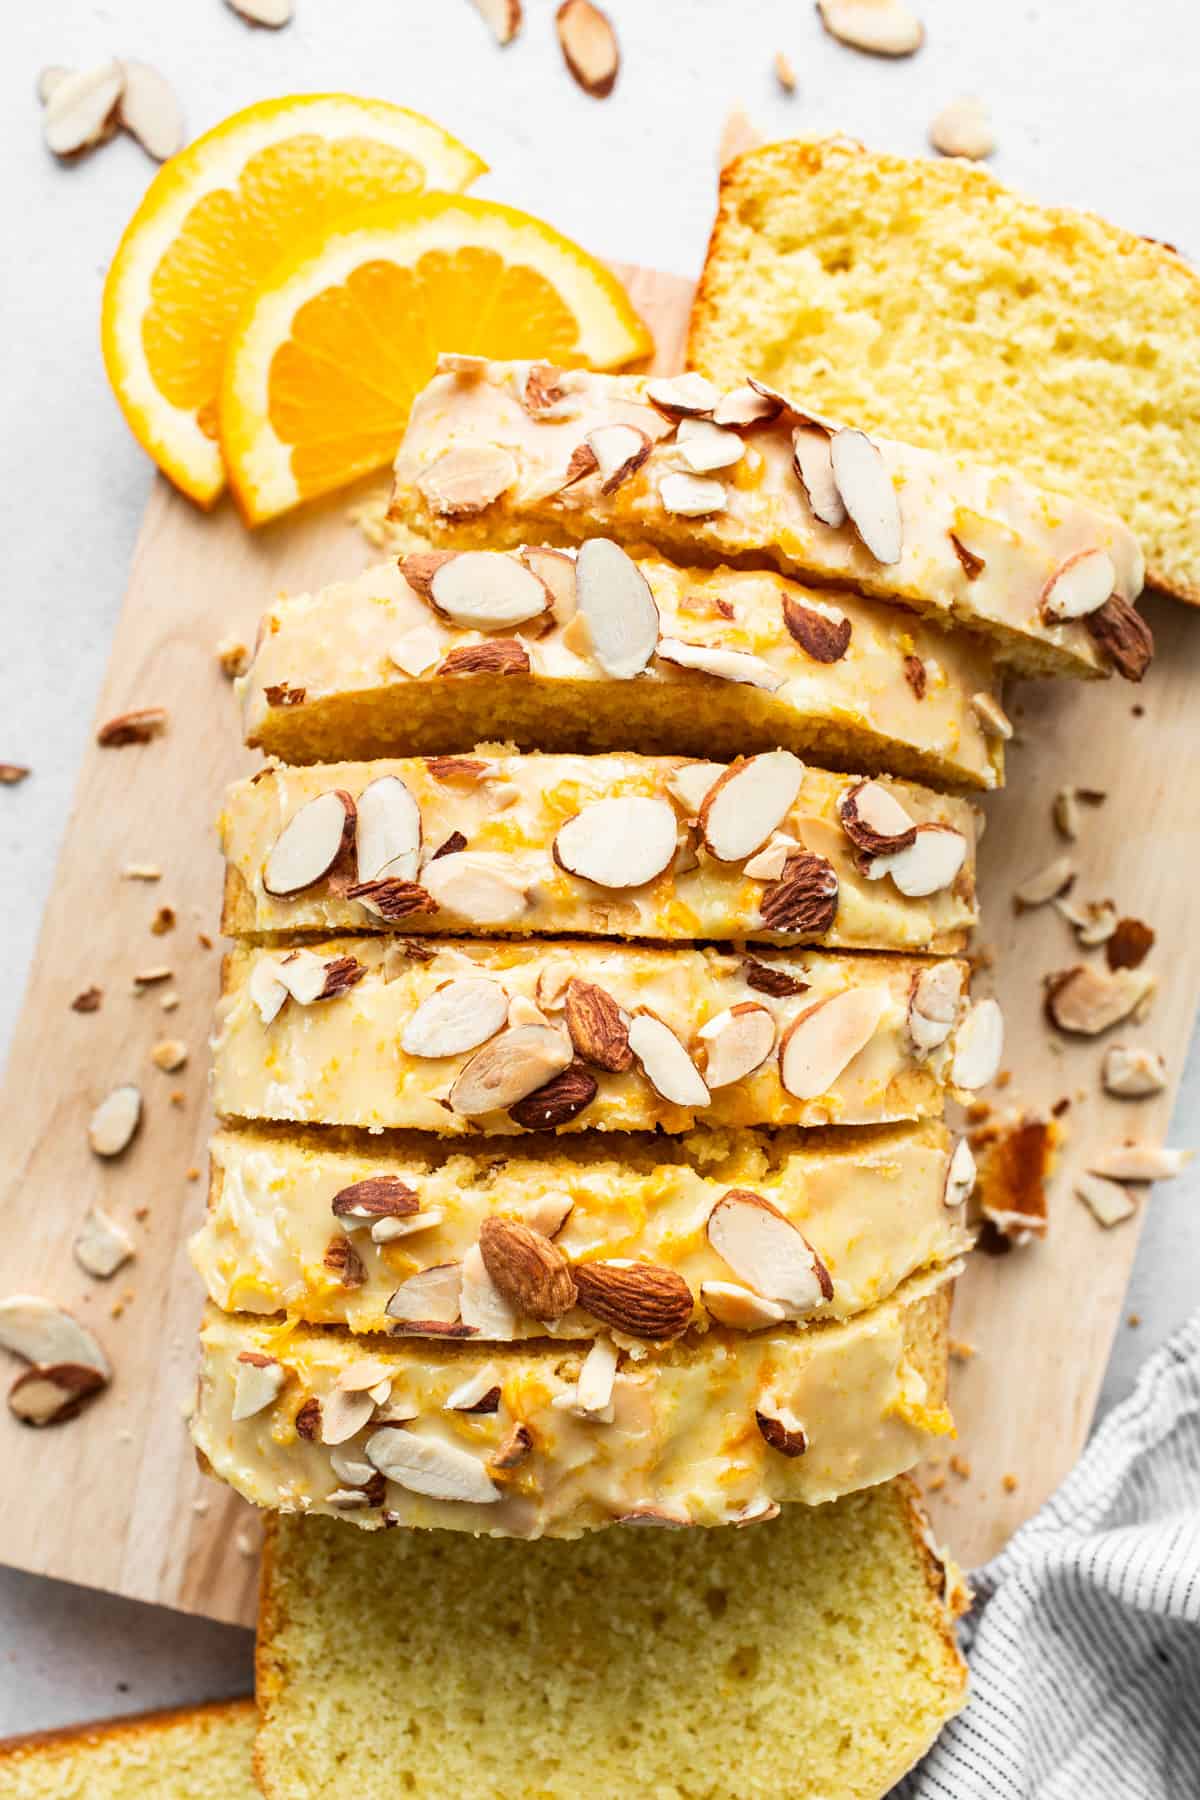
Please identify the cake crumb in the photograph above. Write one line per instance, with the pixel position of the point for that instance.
(1134, 1320)
(935, 1484)
(163, 921)
(177, 1096)
(204, 940)
(961, 1351)
(193, 1173)
(1009, 1484)
(960, 1467)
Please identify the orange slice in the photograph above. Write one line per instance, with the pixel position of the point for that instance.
(214, 221)
(327, 356)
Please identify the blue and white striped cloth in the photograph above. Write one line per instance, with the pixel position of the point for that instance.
(1084, 1641)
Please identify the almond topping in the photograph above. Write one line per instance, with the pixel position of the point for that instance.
(1133, 1072)
(933, 1005)
(764, 1248)
(484, 590)
(1078, 586)
(804, 900)
(822, 633)
(963, 129)
(149, 111)
(691, 496)
(100, 1246)
(726, 665)
(81, 108)
(1085, 1000)
(589, 45)
(557, 1101)
(556, 572)
(617, 607)
(881, 27)
(462, 482)
(623, 842)
(978, 1046)
(114, 1123)
(495, 656)
(43, 1333)
(738, 1307)
(343, 1415)
(643, 1299)
(266, 990)
(743, 406)
(738, 1041)
(692, 782)
(485, 1307)
(781, 1429)
(820, 1044)
(1056, 878)
(257, 1383)
(812, 459)
(874, 820)
(388, 837)
(531, 1273)
(514, 1448)
(683, 396)
(867, 493)
(50, 1394)
(513, 1065)
(994, 722)
(426, 1465)
(593, 1394)
(1124, 635)
(931, 862)
(704, 446)
(769, 863)
(458, 1016)
(417, 650)
(1141, 1162)
(310, 843)
(365, 1374)
(432, 1294)
(960, 1175)
(503, 18)
(479, 886)
(598, 1028)
(479, 1393)
(1107, 1201)
(748, 802)
(619, 452)
(665, 1063)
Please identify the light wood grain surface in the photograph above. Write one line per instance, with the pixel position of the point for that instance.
(114, 1499)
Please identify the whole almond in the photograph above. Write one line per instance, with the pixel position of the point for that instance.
(598, 1032)
(530, 1271)
(557, 1101)
(643, 1299)
(498, 656)
(804, 900)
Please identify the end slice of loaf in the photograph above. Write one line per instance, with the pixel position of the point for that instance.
(188, 1753)
(814, 1656)
(924, 298)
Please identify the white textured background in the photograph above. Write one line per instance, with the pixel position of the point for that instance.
(1091, 107)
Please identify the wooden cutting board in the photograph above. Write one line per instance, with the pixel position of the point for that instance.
(114, 1499)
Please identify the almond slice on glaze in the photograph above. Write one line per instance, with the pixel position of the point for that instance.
(739, 1307)
(594, 1388)
(531, 1273)
(556, 571)
(781, 1429)
(388, 831)
(769, 863)
(812, 459)
(514, 1064)
(479, 886)
(432, 1294)
(310, 843)
(691, 783)
(599, 1030)
(643, 1299)
(344, 1414)
(1132, 1072)
(683, 396)
(589, 46)
(417, 650)
(880, 27)
(1078, 586)
(616, 602)
(748, 802)
(930, 863)
(485, 590)
(823, 1041)
(50, 1394)
(364, 1375)
(933, 1005)
(458, 1016)
(960, 1175)
(428, 1466)
(738, 1041)
(622, 842)
(665, 1063)
(726, 665)
(267, 992)
(691, 496)
(747, 405)
(462, 482)
(867, 493)
(994, 722)
(704, 446)
(486, 1309)
(822, 632)
(1087, 1000)
(620, 451)
(978, 1046)
(874, 820)
(41, 1332)
(479, 1393)
(764, 1248)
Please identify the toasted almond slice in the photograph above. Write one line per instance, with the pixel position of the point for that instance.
(599, 1029)
(683, 396)
(1132, 1072)
(663, 1518)
(665, 1063)
(556, 571)
(554, 977)
(771, 861)
(738, 1041)
(931, 862)
(619, 450)
(306, 976)
(704, 446)
(617, 606)
(750, 801)
(530, 1272)
(417, 650)
(755, 1512)
(149, 110)
(388, 836)
(803, 902)
(485, 1307)
(464, 481)
(1079, 586)
(960, 1175)
(933, 1005)
(522, 1011)
(822, 1042)
(113, 1126)
(426, 1465)
(881, 27)
(726, 665)
(343, 1415)
(310, 843)
(764, 1248)
(485, 590)
(479, 886)
(1141, 1162)
(351, 1469)
(364, 1374)
(1124, 636)
(739, 1307)
(458, 1016)
(589, 46)
(1087, 1000)
(822, 631)
(781, 1428)
(503, 18)
(432, 1294)
(100, 1246)
(51, 1394)
(867, 493)
(622, 842)
(747, 405)
(1046, 883)
(812, 460)
(994, 722)
(594, 1387)
(515, 1063)
(81, 108)
(690, 783)
(267, 991)
(874, 820)
(978, 1046)
(963, 129)
(548, 1213)
(41, 1332)
(642, 1298)
(384, 1231)
(691, 496)
(479, 1393)
(1107, 1201)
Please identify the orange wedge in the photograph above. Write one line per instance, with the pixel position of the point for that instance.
(326, 358)
(214, 221)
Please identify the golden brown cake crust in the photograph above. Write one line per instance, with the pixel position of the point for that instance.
(71, 1738)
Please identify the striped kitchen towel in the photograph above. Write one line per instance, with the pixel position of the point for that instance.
(1084, 1641)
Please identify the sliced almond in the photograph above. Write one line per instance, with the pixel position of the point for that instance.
(785, 74)
(744, 406)
(462, 482)
(692, 782)
(100, 1246)
(1079, 586)
(266, 989)
(548, 1213)
(739, 1307)
(1087, 1000)
(960, 1175)
(589, 46)
(619, 450)
(704, 446)
(822, 632)
(149, 110)
(522, 1011)
(821, 1043)
(479, 886)
(52, 1394)
(1141, 1162)
(618, 608)
(781, 1428)
(388, 832)
(354, 1471)
(1046, 883)
(531, 1273)
(748, 802)
(594, 1387)
(272, 13)
(737, 1041)
(931, 862)
(556, 571)
(417, 650)
(665, 1063)
(881, 27)
(598, 1027)
(169, 1054)
(1107, 1201)
(755, 1512)
(963, 128)
(994, 722)
(726, 665)
(362, 1376)
(691, 496)
(874, 820)
(514, 1064)
(643, 1299)
(812, 460)
(514, 1448)
(485, 590)
(1065, 808)
(426, 1465)
(683, 396)
(41, 1332)
(49, 78)
(343, 1415)
(458, 1016)
(662, 1518)
(978, 1046)
(1132, 1072)
(933, 1005)
(867, 493)
(82, 108)
(502, 17)
(432, 1294)
(309, 978)
(310, 843)
(479, 1393)
(769, 863)
(486, 1309)
(623, 842)
(113, 1126)
(764, 1248)
(386, 1230)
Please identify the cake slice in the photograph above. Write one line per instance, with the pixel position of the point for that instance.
(188, 1753)
(925, 299)
(554, 1439)
(371, 667)
(813, 1657)
(457, 1037)
(712, 472)
(621, 846)
(360, 1232)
